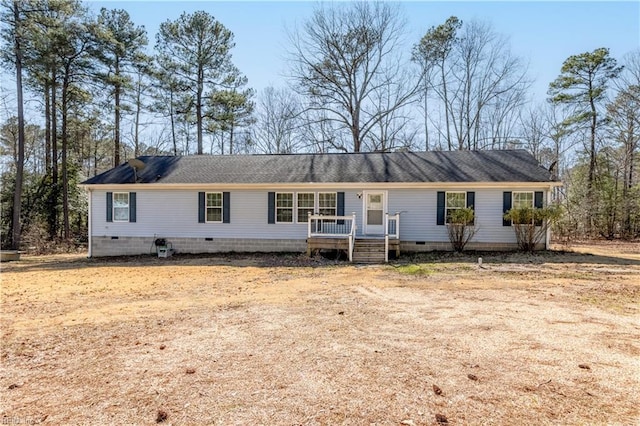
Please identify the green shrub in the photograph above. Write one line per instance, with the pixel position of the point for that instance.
(461, 228)
(531, 224)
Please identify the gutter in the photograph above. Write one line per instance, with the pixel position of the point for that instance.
(303, 186)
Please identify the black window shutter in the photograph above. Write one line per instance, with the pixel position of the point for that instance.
(132, 207)
(340, 206)
(441, 201)
(226, 208)
(471, 200)
(201, 207)
(271, 205)
(538, 203)
(537, 197)
(109, 206)
(506, 206)
(471, 204)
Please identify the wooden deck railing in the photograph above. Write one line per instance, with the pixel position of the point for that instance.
(345, 227)
(333, 226)
(391, 229)
(393, 225)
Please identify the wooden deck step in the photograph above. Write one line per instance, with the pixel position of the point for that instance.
(368, 251)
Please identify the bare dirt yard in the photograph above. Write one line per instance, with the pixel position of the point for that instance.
(551, 338)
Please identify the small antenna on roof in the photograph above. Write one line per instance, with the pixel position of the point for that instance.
(136, 165)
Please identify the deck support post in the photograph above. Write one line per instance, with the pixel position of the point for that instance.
(386, 237)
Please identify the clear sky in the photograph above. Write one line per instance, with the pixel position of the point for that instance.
(543, 33)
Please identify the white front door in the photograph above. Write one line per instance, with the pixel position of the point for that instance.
(374, 208)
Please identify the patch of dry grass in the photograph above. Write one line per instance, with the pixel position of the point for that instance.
(621, 298)
(550, 339)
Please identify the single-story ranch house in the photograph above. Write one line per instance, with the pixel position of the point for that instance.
(268, 203)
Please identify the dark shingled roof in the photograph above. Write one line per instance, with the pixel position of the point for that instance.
(435, 166)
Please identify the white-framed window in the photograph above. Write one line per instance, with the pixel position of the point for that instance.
(324, 203)
(121, 207)
(454, 201)
(284, 207)
(521, 199)
(214, 207)
(328, 203)
(306, 204)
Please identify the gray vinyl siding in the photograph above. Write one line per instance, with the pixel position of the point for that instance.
(174, 213)
(419, 210)
(489, 218)
(417, 214)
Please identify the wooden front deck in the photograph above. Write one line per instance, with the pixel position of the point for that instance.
(327, 243)
(314, 244)
(340, 233)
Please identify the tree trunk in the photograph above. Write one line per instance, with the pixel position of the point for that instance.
(628, 178)
(426, 118)
(53, 198)
(446, 104)
(116, 139)
(136, 136)
(355, 129)
(47, 128)
(476, 129)
(173, 123)
(592, 157)
(355, 133)
(466, 139)
(95, 157)
(556, 170)
(65, 176)
(199, 108)
(17, 195)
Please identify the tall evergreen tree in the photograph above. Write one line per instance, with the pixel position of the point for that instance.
(73, 52)
(230, 110)
(14, 35)
(582, 86)
(119, 48)
(196, 48)
(48, 34)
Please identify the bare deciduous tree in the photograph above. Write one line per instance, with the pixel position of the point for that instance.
(342, 58)
(624, 129)
(394, 131)
(488, 84)
(534, 128)
(480, 85)
(277, 116)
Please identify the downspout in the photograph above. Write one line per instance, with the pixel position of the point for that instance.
(89, 224)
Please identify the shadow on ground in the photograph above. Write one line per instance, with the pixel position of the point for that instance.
(76, 261)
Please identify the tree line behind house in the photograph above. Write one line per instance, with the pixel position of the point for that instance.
(104, 93)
